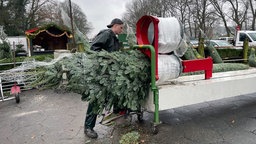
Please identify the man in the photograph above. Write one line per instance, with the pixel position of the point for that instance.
(107, 40)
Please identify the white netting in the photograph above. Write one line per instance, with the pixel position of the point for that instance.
(3, 36)
(180, 51)
(23, 72)
(131, 38)
(171, 39)
(79, 36)
(170, 34)
(169, 67)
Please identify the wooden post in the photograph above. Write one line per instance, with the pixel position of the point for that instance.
(245, 50)
(14, 54)
(72, 27)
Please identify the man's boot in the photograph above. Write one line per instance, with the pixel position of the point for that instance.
(91, 133)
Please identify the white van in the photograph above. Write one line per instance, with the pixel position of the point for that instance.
(241, 35)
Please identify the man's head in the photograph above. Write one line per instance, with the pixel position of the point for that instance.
(116, 25)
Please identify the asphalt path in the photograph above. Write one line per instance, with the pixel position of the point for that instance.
(50, 117)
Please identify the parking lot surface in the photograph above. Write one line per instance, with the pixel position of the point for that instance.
(48, 117)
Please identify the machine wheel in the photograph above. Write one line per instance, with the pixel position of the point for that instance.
(154, 130)
(17, 98)
(140, 117)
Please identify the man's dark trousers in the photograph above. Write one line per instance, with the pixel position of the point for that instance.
(90, 118)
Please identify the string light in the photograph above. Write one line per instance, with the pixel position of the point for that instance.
(51, 34)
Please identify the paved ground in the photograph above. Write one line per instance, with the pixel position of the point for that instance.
(44, 117)
(47, 117)
(229, 121)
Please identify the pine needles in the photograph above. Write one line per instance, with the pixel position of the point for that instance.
(102, 78)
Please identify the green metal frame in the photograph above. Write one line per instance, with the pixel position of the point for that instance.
(154, 88)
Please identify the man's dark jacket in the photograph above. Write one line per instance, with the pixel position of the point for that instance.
(107, 40)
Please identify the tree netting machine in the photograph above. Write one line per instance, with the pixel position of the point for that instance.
(163, 41)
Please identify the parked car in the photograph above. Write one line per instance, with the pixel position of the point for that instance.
(219, 43)
(194, 43)
(228, 39)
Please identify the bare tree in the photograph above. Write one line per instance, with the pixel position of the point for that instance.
(52, 12)
(199, 17)
(32, 11)
(80, 19)
(139, 8)
(48, 13)
(134, 11)
(220, 11)
(238, 11)
(200, 12)
(180, 10)
(253, 12)
(160, 8)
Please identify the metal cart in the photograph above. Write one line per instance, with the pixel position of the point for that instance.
(14, 92)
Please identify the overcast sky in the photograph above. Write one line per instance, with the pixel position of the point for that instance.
(100, 12)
